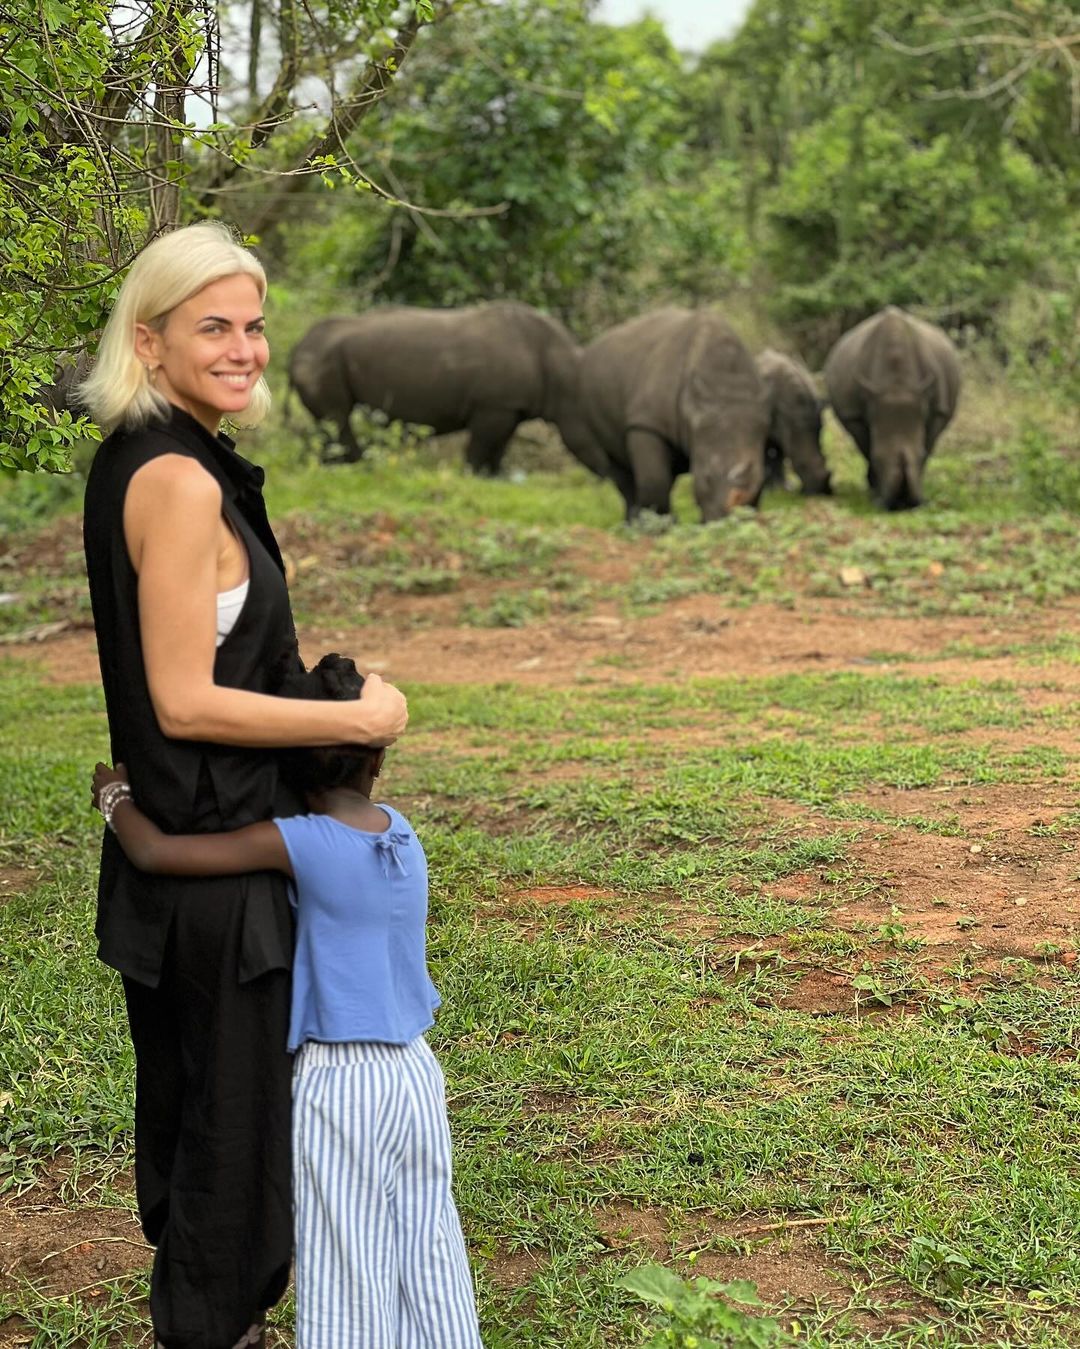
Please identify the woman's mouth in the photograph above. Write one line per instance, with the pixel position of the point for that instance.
(237, 381)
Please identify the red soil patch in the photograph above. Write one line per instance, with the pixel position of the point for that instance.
(821, 994)
(56, 549)
(698, 634)
(14, 880)
(791, 1270)
(59, 1249)
(1005, 888)
(695, 635)
(511, 1270)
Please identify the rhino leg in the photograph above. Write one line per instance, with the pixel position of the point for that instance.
(774, 465)
(623, 479)
(354, 451)
(651, 461)
(490, 430)
(339, 448)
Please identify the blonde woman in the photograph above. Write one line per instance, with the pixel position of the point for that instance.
(194, 629)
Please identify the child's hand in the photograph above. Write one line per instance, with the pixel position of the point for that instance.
(103, 775)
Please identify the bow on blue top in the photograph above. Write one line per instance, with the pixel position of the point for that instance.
(386, 845)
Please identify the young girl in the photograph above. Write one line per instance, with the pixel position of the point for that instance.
(380, 1257)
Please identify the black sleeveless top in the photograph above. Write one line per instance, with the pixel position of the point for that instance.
(186, 786)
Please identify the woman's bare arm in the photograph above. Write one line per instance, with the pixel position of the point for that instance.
(256, 847)
(172, 516)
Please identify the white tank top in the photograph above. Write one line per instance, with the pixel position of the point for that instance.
(229, 604)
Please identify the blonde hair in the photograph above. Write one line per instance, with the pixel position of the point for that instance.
(167, 272)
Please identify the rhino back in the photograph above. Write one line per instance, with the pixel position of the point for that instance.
(893, 350)
(790, 389)
(438, 367)
(717, 368)
(632, 374)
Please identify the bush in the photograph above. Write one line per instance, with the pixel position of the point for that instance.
(1047, 474)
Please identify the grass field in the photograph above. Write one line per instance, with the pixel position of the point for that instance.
(756, 894)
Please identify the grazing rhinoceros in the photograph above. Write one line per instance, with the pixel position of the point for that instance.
(672, 391)
(794, 423)
(893, 381)
(483, 370)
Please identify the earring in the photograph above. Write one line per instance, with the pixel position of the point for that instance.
(151, 372)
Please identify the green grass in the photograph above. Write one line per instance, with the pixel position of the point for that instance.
(606, 1054)
(636, 1047)
(989, 543)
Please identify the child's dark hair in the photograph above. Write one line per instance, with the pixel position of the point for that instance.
(322, 768)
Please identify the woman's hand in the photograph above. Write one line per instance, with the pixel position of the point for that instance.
(379, 717)
(103, 775)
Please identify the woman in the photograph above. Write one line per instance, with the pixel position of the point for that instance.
(193, 624)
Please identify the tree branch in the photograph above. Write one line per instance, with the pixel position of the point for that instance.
(274, 111)
(133, 73)
(371, 86)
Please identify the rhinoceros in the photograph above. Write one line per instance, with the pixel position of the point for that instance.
(482, 369)
(794, 422)
(672, 391)
(894, 381)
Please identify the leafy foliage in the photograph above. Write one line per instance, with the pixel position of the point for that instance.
(699, 1315)
(867, 215)
(530, 132)
(118, 124)
(829, 158)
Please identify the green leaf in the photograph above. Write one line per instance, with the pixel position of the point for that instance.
(653, 1283)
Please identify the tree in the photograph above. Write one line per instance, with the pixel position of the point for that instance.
(899, 152)
(117, 124)
(529, 133)
(868, 215)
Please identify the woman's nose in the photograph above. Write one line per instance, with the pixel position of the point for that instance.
(241, 348)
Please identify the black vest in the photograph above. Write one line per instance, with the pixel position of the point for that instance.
(186, 786)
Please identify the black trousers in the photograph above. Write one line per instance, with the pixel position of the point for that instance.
(212, 1124)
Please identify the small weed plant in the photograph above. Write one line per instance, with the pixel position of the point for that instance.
(701, 1314)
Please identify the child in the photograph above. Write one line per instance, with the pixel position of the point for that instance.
(380, 1257)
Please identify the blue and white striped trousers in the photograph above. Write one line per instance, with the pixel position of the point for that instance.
(380, 1258)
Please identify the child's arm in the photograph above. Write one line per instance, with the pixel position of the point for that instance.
(256, 847)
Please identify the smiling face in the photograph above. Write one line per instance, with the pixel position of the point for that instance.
(210, 351)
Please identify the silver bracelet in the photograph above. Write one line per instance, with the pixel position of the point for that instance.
(110, 797)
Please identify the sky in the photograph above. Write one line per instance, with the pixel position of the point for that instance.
(691, 23)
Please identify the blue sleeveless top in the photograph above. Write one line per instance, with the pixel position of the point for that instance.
(361, 899)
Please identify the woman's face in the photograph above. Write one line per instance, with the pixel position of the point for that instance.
(211, 352)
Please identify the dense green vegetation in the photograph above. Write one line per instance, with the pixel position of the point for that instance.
(831, 157)
(816, 158)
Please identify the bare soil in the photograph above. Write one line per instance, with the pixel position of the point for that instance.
(694, 636)
(784, 1257)
(14, 880)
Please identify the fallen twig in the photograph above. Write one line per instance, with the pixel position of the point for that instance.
(787, 1222)
(96, 1241)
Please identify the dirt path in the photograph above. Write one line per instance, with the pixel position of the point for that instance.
(696, 635)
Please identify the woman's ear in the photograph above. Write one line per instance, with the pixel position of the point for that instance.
(377, 763)
(147, 345)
